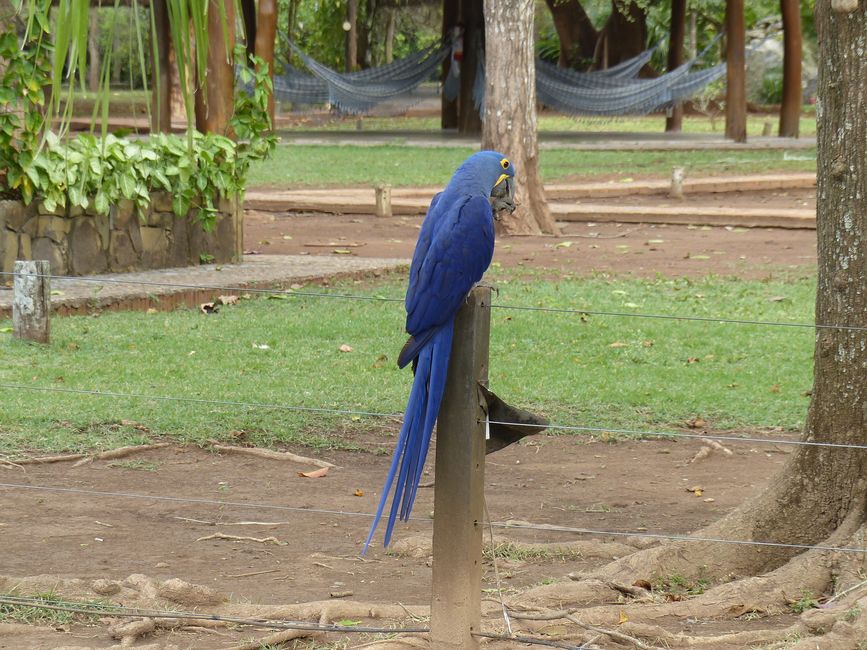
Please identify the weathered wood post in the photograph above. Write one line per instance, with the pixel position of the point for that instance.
(382, 193)
(31, 301)
(677, 176)
(460, 479)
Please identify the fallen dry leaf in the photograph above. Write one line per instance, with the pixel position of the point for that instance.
(228, 300)
(618, 344)
(316, 473)
(623, 618)
(345, 348)
(696, 423)
(775, 388)
(358, 493)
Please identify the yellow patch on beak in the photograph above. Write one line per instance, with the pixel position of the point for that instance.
(501, 179)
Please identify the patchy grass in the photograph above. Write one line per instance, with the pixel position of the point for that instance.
(553, 123)
(523, 553)
(34, 615)
(578, 369)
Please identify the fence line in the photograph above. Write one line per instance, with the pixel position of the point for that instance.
(313, 409)
(552, 310)
(503, 525)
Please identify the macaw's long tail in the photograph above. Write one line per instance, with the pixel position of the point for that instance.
(415, 434)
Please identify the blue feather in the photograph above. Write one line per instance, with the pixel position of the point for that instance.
(454, 248)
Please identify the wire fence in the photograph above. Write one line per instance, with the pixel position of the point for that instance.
(575, 531)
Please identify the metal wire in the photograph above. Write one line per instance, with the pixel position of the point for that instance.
(539, 527)
(312, 409)
(84, 608)
(678, 434)
(552, 310)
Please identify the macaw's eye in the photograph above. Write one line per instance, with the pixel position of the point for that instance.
(504, 163)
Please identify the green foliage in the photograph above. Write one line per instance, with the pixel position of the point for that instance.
(805, 602)
(21, 103)
(95, 173)
(772, 87)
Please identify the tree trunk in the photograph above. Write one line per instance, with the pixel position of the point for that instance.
(692, 51)
(510, 110)
(161, 70)
(736, 92)
(266, 33)
(93, 51)
(248, 12)
(576, 32)
(820, 488)
(351, 50)
(291, 16)
(390, 21)
(448, 109)
(674, 122)
(790, 110)
(220, 83)
(626, 32)
(472, 13)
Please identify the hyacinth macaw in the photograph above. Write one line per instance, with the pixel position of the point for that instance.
(455, 246)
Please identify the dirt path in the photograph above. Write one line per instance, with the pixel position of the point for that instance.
(639, 250)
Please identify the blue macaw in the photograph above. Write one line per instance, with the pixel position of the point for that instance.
(455, 246)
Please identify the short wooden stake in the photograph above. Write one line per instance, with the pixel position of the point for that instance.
(31, 301)
(767, 129)
(677, 176)
(383, 200)
(460, 479)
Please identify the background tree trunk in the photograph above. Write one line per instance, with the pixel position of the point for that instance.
(575, 30)
(674, 122)
(472, 15)
(736, 92)
(449, 109)
(266, 33)
(93, 61)
(291, 17)
(626, 32)
(510, 109)
(790, 110)
(161, 71)
(220, 82)
(248, 12)
(351, 52)
(390, 23)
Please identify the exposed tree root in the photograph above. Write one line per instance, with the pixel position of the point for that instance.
(270, 454)
(277, 638)
(111, 454)
(241, 538)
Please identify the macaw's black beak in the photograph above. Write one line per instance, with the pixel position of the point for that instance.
(503, 197)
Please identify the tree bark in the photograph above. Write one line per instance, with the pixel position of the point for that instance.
(291, 16)
(736, 92)
(351, 52)
(674, 122)
(248, 12)
(220, 81)
(790, 110)
(510, 110)
(449, 109)
(390, 22)
(625, 32)
(93, 51)
(266, 33)
(472, 14)
(161, 71)
(576, 32)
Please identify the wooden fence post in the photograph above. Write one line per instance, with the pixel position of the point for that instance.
(31, 301)
(460, 479)
(382, 194)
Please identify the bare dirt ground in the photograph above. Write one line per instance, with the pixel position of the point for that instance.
(128, 550)
(640, 250)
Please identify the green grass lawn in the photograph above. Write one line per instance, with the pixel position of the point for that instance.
(593, 371)
(335, 165)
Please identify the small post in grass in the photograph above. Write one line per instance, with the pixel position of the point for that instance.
(677, 176)
(460, 479)
(31, 301)
(383, 200)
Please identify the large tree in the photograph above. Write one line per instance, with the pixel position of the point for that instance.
(510, 109)
(790, 110)
(575, 30)
(736, 88)
(820, 496)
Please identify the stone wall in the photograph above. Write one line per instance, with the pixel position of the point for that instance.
(79, 242)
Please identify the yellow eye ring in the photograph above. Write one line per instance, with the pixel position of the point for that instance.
(504, 163)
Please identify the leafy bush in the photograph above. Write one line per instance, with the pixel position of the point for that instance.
(772, 87)
(95, 173)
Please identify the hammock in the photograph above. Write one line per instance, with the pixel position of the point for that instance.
(358, 92)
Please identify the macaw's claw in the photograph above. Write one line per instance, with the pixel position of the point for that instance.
(508, 423)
